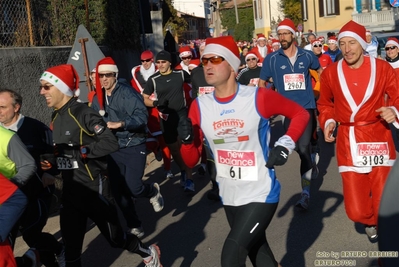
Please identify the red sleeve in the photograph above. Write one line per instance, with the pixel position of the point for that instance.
(271, 103)
(191, 153)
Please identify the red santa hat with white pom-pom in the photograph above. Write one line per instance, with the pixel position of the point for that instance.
(64, 78)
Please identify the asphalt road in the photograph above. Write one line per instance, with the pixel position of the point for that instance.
(191, 229)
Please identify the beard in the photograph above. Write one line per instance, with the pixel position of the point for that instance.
(285, 44)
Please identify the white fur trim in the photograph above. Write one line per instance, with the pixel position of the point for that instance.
(392, 42)
(107, 67)
(224, 52)
(361, 41)
(284, 27)
(57, 82)
(102, 112)
(185, 54)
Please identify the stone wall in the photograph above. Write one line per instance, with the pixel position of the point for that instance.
(21, 68)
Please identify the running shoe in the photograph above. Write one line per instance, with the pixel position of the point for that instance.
(303, 203)
(157, 200)
(155, 257)
(158, 154)
(33, 255)
(189, 186)
(202, 169)
(183, 178)
(371, 231)
(169, 174)
(61, 258)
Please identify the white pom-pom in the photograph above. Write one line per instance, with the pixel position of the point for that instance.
(102, 112)
(77, 92)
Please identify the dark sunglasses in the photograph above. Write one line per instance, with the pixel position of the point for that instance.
(161, 61)
(45, 87)
(249, 59)
(108, 75)
(318, 45)
(146, 60)
(214, 60)
(184, 58)
(390, 48)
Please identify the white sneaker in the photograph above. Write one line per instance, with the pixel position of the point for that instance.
(157, 200)
(371, 231)
(155, 257)
(139, 232)
(169, 174)
(33, 255)
(61, 258)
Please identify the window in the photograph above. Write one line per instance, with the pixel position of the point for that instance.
(328, 8)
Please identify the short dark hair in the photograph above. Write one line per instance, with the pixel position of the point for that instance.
(17, 98)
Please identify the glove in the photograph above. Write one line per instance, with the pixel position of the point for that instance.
(161, 106)
(277, 156)
(185, 130)
(47, 161)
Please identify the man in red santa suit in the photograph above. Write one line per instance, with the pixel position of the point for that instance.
(155, 141)
(261, 49)
(353, 95)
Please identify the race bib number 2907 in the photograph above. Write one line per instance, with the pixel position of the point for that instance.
(237, 165)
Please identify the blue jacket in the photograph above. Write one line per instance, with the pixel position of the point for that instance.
(127, 105)
(277, 64)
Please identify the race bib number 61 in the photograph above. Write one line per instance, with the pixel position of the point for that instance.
(237, 165)
(372, 154)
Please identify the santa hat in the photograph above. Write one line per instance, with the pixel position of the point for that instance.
(392, 41)
(106, 64)
(275, 42)
(250, 55)
(226, 47)
(185, 51)
(147, 54)
(316, 42)
(354, 30)
(287, 24)
(368, 32)
(64, 78)
(332, 40)
(261, 36)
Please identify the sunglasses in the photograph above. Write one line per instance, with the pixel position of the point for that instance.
(146, 60)
(45, 87)
(390, 48)
(318, 45)
(108, 75)
(214, 60)
(184, 58)
(249, 59)
(161, 61)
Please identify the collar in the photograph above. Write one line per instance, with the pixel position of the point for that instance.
(393, 60)
(16, 125)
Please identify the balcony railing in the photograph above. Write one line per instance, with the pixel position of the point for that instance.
(376, 20)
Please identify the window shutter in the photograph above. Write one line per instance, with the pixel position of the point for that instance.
(336, 3)
(321, 8)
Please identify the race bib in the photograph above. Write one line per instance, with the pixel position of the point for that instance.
(372, 154)
(66, 164)
(237, 165)
(254, 81)
(203, 90)
(294, 82)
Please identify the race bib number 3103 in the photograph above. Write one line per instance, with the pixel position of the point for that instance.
(372, 154)
(238, 165)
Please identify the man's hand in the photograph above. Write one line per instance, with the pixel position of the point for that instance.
(388, 114)
(328, 132)
(47, 179)
(278, 155)
(114, 124)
